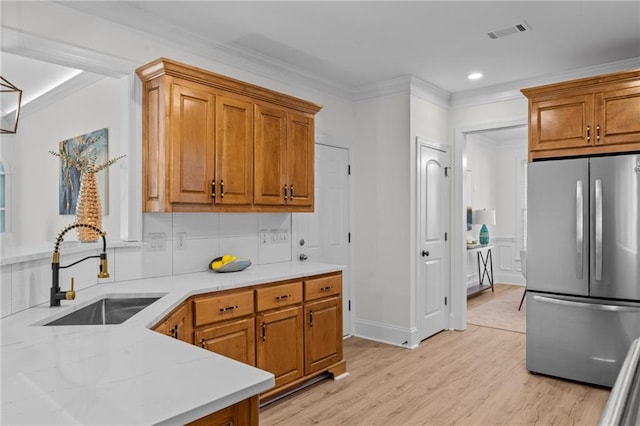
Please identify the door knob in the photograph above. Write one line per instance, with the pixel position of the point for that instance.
(425, 253)
(303, 257)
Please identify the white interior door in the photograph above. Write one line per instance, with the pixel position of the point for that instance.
(433, 227)
(323, 236)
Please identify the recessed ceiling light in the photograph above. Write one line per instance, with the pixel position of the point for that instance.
(474, 76)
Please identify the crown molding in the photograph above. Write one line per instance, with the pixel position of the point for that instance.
(511, 90)
(166, 33)
(430, 92)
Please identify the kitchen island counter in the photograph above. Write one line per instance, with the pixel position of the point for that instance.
(127, 373)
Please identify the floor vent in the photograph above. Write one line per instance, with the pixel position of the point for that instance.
(520, 27)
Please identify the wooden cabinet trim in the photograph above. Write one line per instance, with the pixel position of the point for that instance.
(164, 66)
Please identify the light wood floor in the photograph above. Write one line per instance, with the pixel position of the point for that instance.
(472, 377)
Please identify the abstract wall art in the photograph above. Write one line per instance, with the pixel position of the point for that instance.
(90, 148)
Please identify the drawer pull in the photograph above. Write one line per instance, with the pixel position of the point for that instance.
(228, 308)
(285, 297)
(327, 288)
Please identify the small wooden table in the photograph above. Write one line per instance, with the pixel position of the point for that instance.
(485, 269)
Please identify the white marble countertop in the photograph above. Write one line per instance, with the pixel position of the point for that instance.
(127, 374)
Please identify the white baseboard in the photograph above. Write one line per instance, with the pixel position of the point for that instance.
(386, 333)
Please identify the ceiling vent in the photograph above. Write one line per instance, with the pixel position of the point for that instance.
(520, 27)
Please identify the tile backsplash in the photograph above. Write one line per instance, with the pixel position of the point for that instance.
(173, 244)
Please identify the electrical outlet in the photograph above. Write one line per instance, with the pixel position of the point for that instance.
(157, 241)
(181, 241)
(264, 236)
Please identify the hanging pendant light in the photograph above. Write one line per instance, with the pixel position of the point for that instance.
(8, 92)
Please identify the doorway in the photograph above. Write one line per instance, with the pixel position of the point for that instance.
(434, 194)
(506, 236)
(323, 236)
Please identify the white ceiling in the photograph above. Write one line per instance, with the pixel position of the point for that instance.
(360, 43)
(355, 44)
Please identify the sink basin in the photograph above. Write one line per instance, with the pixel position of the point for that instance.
(109, 310)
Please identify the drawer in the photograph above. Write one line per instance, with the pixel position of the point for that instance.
(317, 288)
(278, 296)
(214, 308)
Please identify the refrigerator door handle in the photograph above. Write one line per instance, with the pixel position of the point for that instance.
(579, 228)
(598, 230)
(592, 306)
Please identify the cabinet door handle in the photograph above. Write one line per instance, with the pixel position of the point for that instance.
(221, 189)
(285, 191)
(310, 318)
(213, 189)
(588, 133)
(202, 343)
(598, 133)
(175, 332)
(228, 308)
(264, 332)
(291, 193)
(327, 288)
(284, 297)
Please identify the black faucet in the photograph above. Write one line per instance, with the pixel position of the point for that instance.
(56, 294)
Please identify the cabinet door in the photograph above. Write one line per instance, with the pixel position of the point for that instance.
(234, 151)
(618, 116)
(279, 347)
(177, 324)
(300, 156)
(323, 334)
(235, 340)
(192, 145)
(270, 151)
(561, 123)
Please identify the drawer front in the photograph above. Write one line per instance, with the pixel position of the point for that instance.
(212, 309)
(278, 296)
(317, 288)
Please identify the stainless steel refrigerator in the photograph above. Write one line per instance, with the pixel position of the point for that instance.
(583, 266)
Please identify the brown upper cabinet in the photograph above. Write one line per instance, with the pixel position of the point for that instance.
(212, 143)
(595, 115)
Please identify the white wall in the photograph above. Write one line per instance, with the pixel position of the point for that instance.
(35, 171)
(382, 211)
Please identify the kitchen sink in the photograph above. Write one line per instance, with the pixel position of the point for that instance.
(108, 310)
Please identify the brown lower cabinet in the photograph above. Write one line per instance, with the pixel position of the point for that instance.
(243, 413)
(292, 328)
